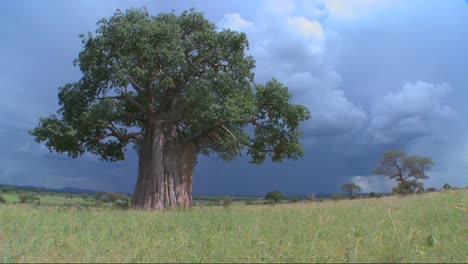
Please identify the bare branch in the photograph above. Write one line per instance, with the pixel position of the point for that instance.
(128, 98)
(136, 86)
(121, 136)
(229, 131)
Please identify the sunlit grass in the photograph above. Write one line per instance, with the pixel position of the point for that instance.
(389, 229)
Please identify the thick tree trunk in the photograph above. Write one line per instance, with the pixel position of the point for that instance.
(165, 170)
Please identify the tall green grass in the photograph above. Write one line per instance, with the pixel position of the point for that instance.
(425, 228)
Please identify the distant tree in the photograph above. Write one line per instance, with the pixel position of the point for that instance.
(2, 199)
(338, 196)
(227, 201)
(405, 170)
(431, 189)
(174, 87)
(28, 198)
(8, 189)
(312, 197)
(275, 196)
(215, 201)
(446, 186)
(351, 188)
(110, 197)
(249, 202)
(98, 195)
(294, 199)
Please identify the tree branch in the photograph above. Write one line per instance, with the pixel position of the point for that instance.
(128, 98)
(122, 137)
(136, 86)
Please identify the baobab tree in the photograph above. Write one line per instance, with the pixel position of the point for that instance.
(405, 170)
(174, 87)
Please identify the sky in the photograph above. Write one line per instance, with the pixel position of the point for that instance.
(375, 74)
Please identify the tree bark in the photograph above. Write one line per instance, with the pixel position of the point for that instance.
(165, 170)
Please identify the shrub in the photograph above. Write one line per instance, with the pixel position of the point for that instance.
(109, 197)
(270, 202)
(28, 198)
(294, 199)
(122, 204)
(312, 197)
(431, 189)
(275, 196)
(446, 186)
(215, 201)
(249, 202)
(8, 189)
(338, 196)
(227, 201)
(2, 200)
(98, 195)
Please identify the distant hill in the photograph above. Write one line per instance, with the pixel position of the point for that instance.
(45, 189)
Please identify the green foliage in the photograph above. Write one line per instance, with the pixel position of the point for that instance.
(2, 199)
(275, 196)
(8, 189)
(111, 197)
(28, 198)
(446, 186)
(122, 203)
(405, 170)
(351, 188)
(227, 201)
(294, 199)
(215, 201)
(338, 196)
(249, 202)
(375, 195)
(431, 241)
(177, 72)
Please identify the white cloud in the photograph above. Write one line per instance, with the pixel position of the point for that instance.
(409, 112)
(293, 49)
(310, 29)
(374, 183)
(235, 22)
(353, 8)
(281, 6)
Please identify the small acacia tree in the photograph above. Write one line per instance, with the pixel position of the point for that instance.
(274, 196)
(174, 87)
(446, 186)
(405, 170)
(351, 188)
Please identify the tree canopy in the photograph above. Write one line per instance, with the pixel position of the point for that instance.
(178, 70)
(275, 196)
(351, 188)
(406, 170)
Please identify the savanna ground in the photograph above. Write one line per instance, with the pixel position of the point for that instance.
(431, 227)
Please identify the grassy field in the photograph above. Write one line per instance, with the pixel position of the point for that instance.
(431, 227)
